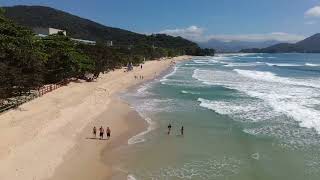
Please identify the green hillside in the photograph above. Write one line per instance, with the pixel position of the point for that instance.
(77, 27)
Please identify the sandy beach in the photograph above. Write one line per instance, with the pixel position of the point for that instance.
(51, 137)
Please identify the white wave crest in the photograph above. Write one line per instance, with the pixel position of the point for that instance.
(201, 61)
(283, 64)
(143, 90)
(144, 107)
(255, 57)
(252, 110)
(165, 78)
(241, 64)
(188, 92)
(131, 177)
(312, 65)
(271, 77)
(139, 138)
(287, 96)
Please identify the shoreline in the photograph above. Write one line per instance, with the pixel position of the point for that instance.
(48, 138)
(95, 159)
(135, 139)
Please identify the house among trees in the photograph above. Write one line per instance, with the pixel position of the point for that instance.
(82, 41)
(109, 43)
(48, 31)
(43, 32)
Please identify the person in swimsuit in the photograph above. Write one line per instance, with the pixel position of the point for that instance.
(108, 132)
(169, 128)
(101, 132)
(94, 132)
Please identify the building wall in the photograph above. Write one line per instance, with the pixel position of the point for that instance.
(48, 31)
(109, 43)
(43, 31)
(55, 31)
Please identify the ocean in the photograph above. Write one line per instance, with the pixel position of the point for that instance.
(245, 117)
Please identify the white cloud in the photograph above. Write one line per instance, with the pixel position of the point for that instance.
(313, 12)
(192, 32)
(195, 33)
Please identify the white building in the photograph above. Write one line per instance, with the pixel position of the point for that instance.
(48, 31)
(84, 41)
(109, 43)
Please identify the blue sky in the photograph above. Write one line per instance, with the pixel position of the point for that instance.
(200, 20)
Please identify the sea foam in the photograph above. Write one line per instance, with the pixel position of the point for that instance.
(242, 64)
(288, 96)
(283, 64)
(271, 77)
(165, 78)
(189, 92)
(139, 138)
(312, 64)
(252, 110)
(131, 177)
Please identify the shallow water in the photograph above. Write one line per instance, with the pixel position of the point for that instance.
(246, 117)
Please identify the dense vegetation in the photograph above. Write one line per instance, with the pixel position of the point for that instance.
(308, 45)
(21, 60)
(28, 62)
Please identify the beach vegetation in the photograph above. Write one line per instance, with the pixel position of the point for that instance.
(21, 60)
(64, 60)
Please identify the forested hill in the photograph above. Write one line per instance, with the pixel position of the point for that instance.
(77, 27)
(308, 45)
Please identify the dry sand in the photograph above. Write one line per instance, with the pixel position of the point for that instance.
(49, 137)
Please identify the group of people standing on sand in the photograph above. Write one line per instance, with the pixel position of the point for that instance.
(138, 77)
(181, 130)
(101, 132)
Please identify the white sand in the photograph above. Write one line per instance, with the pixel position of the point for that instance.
(36, 137)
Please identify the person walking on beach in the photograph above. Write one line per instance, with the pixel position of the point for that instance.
(94, 132)
(101, 132)
(169, 128)
(108, 132)
(182, 129)
(141, 66)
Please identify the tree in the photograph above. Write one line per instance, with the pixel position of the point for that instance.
(21, 60)
(64, 59)
(2, 11)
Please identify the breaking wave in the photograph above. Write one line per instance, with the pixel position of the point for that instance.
(312, 65)
(288, 96)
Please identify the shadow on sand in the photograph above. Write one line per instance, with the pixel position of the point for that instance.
(97, 139)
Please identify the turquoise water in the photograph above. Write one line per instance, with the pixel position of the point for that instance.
(246, 117)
